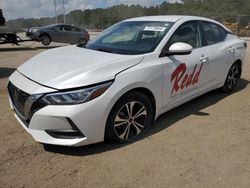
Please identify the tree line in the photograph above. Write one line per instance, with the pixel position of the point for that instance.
(223, 10)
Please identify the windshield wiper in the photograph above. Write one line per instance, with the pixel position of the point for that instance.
(104, 50)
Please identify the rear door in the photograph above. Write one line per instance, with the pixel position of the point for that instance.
(220, 51)
(66, 34)
(184, 76)
(77, 34)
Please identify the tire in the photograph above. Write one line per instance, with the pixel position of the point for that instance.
(124, 126)
(233, 76)
(82, 42)
(45, 39)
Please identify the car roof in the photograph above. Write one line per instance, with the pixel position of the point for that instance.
(170, 18)
(54, 25)
(60, 24)
(167, 18)
(175, 18)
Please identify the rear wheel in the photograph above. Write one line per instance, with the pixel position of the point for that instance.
(82, 42)
(45, 39)
(129, 118)
(232, 78)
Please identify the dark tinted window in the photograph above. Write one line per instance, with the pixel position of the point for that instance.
(67, 28)
(188, 33)
(223, 33)
(213, 33)
(76, 29)
(58, 28)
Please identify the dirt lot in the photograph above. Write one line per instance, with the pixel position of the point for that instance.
(204, 143)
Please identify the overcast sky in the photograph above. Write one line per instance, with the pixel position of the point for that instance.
(45, 8)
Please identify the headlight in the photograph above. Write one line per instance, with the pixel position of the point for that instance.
(76, 96)
(34, 30)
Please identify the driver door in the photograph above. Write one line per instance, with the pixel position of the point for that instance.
(184, 76)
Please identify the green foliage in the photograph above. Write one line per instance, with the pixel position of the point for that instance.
(222, 10)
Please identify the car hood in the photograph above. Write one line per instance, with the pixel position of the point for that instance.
(72, 66)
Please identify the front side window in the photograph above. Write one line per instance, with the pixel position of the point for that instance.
(67, 28)
(187, 33)
(213, 33)
(58, 28)
(131, 37)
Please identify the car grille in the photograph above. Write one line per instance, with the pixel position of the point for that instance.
(18, 98)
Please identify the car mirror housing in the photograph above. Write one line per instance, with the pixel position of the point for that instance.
(178, 48)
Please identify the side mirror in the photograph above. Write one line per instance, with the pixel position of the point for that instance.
(178, 48)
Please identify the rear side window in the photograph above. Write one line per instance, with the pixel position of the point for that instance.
(76, 29)
(213, 33)
(223, 33)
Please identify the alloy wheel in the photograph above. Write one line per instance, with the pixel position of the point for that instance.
(45, 40)
(130, 120)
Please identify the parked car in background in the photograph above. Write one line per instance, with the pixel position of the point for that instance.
(123, 79)
(59, 33)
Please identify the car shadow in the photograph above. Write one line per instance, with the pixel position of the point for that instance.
(22, 48)
(193, 107)
(5, 72)
(46, 47)
(11, 48)
(163, 122)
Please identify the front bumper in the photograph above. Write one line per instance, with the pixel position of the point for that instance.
(43, 137)
(33, 35)
(68, 125)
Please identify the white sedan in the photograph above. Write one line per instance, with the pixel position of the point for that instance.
(115, 87)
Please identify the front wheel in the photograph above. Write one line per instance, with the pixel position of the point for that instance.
(45, 39)
(129, 118)
(232, 78)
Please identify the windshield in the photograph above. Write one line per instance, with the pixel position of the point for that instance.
(131, 37)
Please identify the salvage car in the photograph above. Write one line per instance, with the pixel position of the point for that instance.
(115, 87)
(58, 33)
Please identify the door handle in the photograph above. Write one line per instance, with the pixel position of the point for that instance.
(204, 59)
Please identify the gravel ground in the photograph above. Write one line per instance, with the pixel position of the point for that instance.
(204, 143)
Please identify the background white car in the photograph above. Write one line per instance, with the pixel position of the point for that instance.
(124, 79)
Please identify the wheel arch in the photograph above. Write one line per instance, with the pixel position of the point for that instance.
(44, 33)
(149, 94)
(238, 61)
(143, 90)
